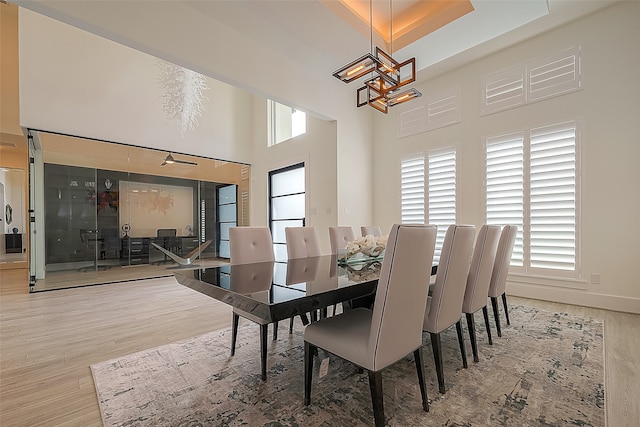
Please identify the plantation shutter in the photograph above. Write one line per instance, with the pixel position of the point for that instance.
(412, 190)
(442, 194)
(555, 74)
(504, 90)
(553, 197)
(505, 187)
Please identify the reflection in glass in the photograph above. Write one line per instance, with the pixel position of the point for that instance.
(105, 211)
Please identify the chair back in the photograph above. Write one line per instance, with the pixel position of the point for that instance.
(401, 295)
(339, 237)
(371, 230)
(445, 307)
(302, 242)
(252, 280)
(250, 244)
(302, 270)
(166, 232)
(484, 257)
(503, 260)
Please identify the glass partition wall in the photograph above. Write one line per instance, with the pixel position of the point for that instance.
(104, 212)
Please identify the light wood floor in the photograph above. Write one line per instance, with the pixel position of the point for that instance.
(48, 340)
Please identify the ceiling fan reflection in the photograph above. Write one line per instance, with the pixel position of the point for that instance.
(169, 160)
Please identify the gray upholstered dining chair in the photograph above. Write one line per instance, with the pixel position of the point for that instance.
(339, 237)
(376, 338)
(371, 230)
(498, 284)
(444, 306)
(302, 242)
(477, 289)
(251, 245)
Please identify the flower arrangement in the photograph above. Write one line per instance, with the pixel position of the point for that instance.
(371, 246)
(363, 272)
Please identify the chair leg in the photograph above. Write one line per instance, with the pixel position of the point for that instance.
(496, 315)
(506, 311)
(275, 331)
(471, 324)
(485, 313)
(304, 319)
(463, 351)
(234, 333)
(417, 356)
(291, 325)
(309, 351)
(375, 384)
(437, 359)
(263, 352)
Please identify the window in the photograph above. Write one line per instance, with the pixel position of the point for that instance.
(441, 171)
(284, 122)
(543, 77)
(442, 194)
(532, 182)
(412, 190)
(286, 204)
(437, 110)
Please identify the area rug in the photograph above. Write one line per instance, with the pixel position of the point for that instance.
(546, 370)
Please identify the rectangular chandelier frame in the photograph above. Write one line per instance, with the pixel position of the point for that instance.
(358, 68)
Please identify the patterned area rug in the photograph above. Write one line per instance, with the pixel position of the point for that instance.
(546, 370)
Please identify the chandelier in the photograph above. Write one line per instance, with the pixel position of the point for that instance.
(182, 94)
(386, 84)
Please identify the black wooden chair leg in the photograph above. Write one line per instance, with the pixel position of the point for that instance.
(485, 313)
(506, 310)
(275, 331)
(471, 324)
(417, 356)
(309, 351)
(291, 325)
(463, 351)
(496, 315)
(304, 319)
(375, 384)
(234, 333)
(263, 351)
(437, 359)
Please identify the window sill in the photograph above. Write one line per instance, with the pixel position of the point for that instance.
(561, 282)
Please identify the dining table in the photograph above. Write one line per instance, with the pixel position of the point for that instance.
(281, 289)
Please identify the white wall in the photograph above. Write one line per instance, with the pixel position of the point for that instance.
(95, 88)
(609, 108)
(77, 83)
(317, 148)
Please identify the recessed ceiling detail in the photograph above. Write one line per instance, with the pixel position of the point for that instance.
(412, 19)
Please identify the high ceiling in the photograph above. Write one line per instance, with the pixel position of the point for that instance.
(323, 35)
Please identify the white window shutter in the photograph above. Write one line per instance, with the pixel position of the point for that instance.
(413, 121)
(502, 90)
(553, 197)
(442, 194)
(431, 112)
(505, 187)
(555, 74)
(412, 190)
(444, 109)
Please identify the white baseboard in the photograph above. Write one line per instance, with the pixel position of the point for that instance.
(575, 297)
